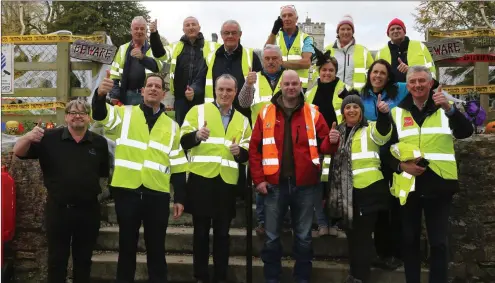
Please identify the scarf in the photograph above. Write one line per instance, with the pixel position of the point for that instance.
(341, 188)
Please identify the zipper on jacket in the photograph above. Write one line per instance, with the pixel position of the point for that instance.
(348, 59)
(297, 134)
(141, 195)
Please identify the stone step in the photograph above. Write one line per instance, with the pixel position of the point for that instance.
(180, 240)
(109, 215)
(180, 268)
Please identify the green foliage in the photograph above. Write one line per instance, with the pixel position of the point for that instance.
(452, 15)
(86, 17)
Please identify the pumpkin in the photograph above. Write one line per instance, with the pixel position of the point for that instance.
(490, 128)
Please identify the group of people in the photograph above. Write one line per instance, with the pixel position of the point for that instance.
(365, 143)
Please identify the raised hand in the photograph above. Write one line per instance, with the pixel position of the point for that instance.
(402, 66)
(382, 106)
(189, 93)
(440, 99)
(106, 85)
(334, 134)
(36, 134)
(203, 133)
(153, 26)
(251, 77)
(234, 148)
(136, 53)
(277, 25)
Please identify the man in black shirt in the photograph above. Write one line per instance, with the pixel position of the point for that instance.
(73, 160)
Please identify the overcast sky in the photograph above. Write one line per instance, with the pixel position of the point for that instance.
(256, 18)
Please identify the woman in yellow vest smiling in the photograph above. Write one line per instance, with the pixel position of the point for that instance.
(358, 190)
(354, 59)
(217, 137)
(327, 94)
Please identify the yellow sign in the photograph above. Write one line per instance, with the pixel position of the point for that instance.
(32, 106)
(50, 38)
(462, 33)
(482, 89)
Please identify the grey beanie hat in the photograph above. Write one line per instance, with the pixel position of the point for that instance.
(352, 99)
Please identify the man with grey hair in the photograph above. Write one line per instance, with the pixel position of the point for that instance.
(426, 120)
(73, 160)
(231, 58)
(257, 91)
(132, 62)
(296, 45)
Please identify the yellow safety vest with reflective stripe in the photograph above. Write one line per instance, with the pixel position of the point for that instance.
(362, 60)
(417, 55)
(212, 157)
(117, 68)
(336, 102)
(247, 63)
(176, 49)
(365, 157)
(143, 157)
(434, 139)
(404, 183)
(294, 53)
(263, 94)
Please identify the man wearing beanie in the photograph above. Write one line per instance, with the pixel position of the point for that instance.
(353, 59)
(401, 52)
(297, 46)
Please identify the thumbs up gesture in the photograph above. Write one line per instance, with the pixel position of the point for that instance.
(106, 85)
(251, 77)
(189, 93)
(440, 99)
(203, 133)
(36, 134)
(153, 26)
(234, 148)
(382, 105)
(334, 135)
(402, 66)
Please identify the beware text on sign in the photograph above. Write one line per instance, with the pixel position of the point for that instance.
(98, 52)
(445, 48)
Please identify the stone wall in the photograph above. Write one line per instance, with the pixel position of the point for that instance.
(472, 242)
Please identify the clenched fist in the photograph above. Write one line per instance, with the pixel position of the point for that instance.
(136, 53)
(382, 105)
(251, 77)
(334, 135)
(106, 85)
(153, 26)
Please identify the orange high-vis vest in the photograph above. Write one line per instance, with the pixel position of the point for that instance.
(269, 150)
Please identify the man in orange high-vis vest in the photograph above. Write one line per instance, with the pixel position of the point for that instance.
(284, 164)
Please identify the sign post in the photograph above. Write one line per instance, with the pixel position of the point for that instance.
(7, 69)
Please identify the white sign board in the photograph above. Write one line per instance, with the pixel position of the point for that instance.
(7, 69)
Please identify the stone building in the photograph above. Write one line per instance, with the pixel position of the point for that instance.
(316, 30)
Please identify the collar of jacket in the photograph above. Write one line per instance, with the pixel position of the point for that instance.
(275, 97)
(237, 51)
(200, 41)
(403, 45)
(337, 43)
(148, 111)
(430, 106)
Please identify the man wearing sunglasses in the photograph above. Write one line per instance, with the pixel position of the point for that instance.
(296, 45)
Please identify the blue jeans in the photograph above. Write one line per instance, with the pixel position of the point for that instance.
(260, 207)
(321, 217)
(133, 97)
(301, 202)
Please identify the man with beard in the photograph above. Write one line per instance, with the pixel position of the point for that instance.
(131, 64)
(187, 64)
(73, 160)
(148, 159)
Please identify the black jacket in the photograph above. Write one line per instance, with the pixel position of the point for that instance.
(397, 51)
(232, 64)
(177, 180)
(429, 184)
(190, 68)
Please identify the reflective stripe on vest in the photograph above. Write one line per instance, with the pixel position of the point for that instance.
(269, 148)
(263, 94)
(364, 153)
(294, 53)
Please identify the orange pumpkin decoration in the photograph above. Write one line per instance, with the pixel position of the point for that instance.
(490, 128)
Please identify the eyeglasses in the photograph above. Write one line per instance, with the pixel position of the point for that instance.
(73, 113)
(227, 33)
(288, 6)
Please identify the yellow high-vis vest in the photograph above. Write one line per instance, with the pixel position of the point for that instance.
(294, 53)
(117, 68)
(212, 157)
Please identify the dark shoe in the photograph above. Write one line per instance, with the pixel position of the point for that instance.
(260, 230)
(351, 279)
(387, 263)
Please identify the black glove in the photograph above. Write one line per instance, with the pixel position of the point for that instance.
(277, 26)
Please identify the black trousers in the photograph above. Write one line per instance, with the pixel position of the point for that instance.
(360, 245)
(436, 211)
(152, 210)
(71, 226)
(388, 230)
(201, 247)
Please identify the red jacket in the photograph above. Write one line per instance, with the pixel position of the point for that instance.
(306, 172)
